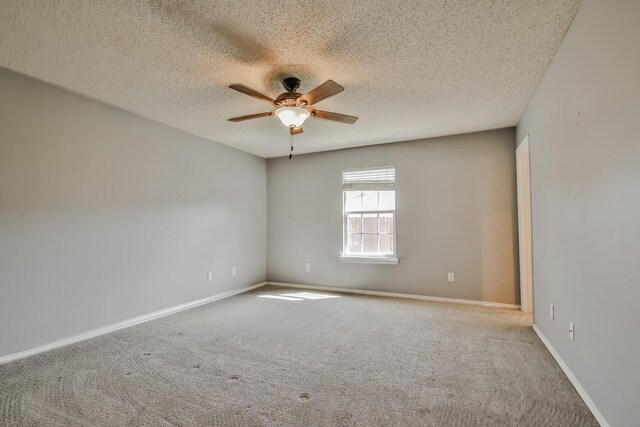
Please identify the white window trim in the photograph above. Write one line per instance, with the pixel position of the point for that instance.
(391, 259)
(370, 260)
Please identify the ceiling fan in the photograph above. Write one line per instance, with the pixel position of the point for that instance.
(293, 108)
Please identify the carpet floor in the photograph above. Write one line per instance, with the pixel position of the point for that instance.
(286, 357)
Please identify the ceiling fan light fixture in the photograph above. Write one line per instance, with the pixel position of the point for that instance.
(292, 117)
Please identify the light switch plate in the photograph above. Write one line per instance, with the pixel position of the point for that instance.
(572, 331)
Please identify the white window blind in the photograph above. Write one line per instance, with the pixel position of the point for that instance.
(383, 178)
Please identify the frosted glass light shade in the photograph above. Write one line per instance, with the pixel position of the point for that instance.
(292, 117)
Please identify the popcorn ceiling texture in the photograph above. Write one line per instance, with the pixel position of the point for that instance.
(411, 69)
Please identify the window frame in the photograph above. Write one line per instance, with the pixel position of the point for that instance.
(365, 258)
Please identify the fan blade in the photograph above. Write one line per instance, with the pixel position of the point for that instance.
(325, 90)
(296, 131)
(248, 91)
(249, 117)
(337, 117)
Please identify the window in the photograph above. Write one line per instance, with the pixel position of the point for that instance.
(369, 215)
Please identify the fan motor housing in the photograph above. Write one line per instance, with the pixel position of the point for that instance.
(288, 99)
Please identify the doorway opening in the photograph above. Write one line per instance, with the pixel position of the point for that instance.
(524, 225)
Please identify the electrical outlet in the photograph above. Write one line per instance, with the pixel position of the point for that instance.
(234, 271)
(451, 277)
(307, 267)
(572, 331)
(210, 275)
(552, 312)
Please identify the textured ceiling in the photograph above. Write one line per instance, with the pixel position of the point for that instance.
(411, 69)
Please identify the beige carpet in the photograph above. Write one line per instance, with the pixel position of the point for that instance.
(301, 360)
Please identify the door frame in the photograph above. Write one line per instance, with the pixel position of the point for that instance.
(523, 178)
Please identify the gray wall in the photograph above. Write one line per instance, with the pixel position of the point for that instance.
(456, 210)
(105, 215)
(585, 169)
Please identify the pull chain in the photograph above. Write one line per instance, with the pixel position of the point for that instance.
(290, 144)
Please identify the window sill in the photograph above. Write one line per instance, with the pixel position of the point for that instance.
(370, 260)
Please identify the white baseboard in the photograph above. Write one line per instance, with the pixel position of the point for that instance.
(396, 295)
(576, 384)
(125, 324)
